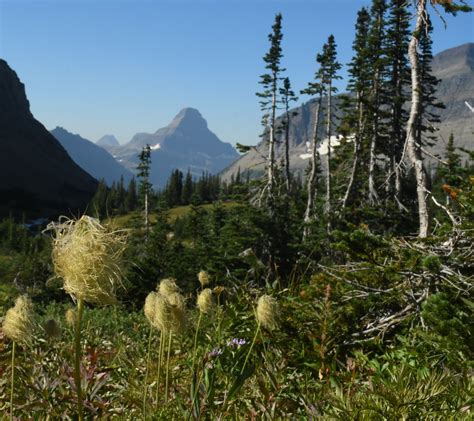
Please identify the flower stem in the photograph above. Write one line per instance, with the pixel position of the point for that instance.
(13, 380)
(77, 360)
(251, 347)
(160, 360)
(146, 373)
(168, 365)
(195, 340)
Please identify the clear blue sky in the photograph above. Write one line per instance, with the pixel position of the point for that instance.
(122, 67)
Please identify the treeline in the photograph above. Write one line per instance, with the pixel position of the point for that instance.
(180, 190)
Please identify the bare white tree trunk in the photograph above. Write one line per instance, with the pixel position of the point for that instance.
(271, 150)
(373, 196)
(357, 147)
(147, 219)
(414, 149)
(312, 178)
(287, 151)
(328, 159)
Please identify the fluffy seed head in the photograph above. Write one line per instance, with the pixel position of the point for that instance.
(71, 317)
(203, 278)
(88, 257)
(150, 306)
(204, 301)
(267, 312)
(19, 322)
(163, 319)
(52, 329)
(178, 310)
(168, 286)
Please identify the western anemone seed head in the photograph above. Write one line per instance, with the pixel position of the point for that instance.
(168, 286)
(71, 317)
(204, 301)
(52, 329)
(267, 312)
(163, 319)
(203, 277)
(178, 310)
(150, 306)
(19, 324)
(88, 257)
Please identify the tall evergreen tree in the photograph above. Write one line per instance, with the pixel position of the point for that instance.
(378, 60)
(143, 173)
(398, 37)
(413, 147)
(131, 200)
(269, 103)
(329, 69)
(287, 97)
(187, 189)
(359, 85)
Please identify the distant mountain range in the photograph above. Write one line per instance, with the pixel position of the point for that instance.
(455, 68)
(37, 176)
(186, 143)
(92, 158)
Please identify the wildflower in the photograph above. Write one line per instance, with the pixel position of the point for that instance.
(19, 323)
(204, 301)
(168, 286)
(203, 278)
(214, 353)
(236, 343)
(88, 257)
(267, 312)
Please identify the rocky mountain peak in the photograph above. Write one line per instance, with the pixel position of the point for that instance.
(108, 140)
(454, 61)
(12, 91)
(188, 119)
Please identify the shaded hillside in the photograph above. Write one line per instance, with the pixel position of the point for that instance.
(92, 158)
(37, 176)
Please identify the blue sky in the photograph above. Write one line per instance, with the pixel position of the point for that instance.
(122, 67)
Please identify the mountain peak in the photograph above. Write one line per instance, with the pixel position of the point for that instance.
(108, 140)
(12, 91)
(455, 60)
(189, 118)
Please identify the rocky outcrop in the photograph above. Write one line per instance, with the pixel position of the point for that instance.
(37, 176)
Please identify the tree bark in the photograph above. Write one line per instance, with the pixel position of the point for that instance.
(357, 147)
(271, 150)
(312, 178)
(413, 148)
(287, 150)
(328, 160)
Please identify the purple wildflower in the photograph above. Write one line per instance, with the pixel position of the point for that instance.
(236, 343)
(215, 353)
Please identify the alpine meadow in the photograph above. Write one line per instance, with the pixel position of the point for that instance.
(322, 272)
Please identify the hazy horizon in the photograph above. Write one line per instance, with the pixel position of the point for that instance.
(122, 67)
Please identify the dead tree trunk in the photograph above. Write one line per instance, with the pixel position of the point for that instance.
(413, 148)
(312, 178)
(328, 158)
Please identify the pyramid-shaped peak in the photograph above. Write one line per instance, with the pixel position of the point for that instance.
(189, 118)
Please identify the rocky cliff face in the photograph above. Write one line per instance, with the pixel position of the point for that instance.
(91, 158)
(37, 176)
(455, 68)
(186, 143)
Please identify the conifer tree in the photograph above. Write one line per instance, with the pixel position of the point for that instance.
(329, 68)
(131, 196)
(359, 85)
(317, 89)
(187, 189)
(398, 37)
(269, 103)
(413, 147)
(143, 173)
(288, 96)
(378, 59)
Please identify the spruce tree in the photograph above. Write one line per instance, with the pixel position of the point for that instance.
(378, 61)
(329, 69)
(356, 106)
(287, 97)
(143, 173)
(398, 37)
(269, 103)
